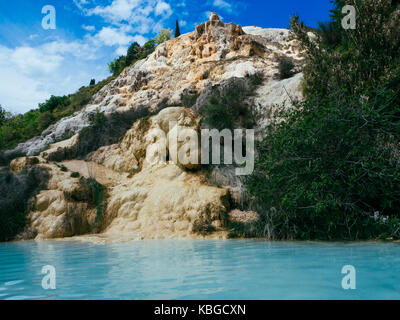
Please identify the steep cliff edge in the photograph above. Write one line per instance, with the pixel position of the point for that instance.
(104, 179)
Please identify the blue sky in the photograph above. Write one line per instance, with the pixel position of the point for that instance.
(36, 63)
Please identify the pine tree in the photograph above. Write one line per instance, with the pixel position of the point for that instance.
(2, 115)
(177, 30)
(133, 53)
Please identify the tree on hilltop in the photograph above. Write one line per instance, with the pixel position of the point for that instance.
(177, 30)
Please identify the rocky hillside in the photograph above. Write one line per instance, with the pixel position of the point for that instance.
(100, 179)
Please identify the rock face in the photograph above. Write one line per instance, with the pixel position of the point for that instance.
(63, 209)
(147, 194)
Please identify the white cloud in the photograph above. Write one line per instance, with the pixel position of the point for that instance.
(140, 15)
(88, 28)
(128, 20)
(163, 8)
(222, 4)
(140, 39)
(121, 51)
(80, 3)
(229, 7)
(19, 92)
(112, 36)
(29, 60)
(29, 75)
(118, 10)
(33, 36)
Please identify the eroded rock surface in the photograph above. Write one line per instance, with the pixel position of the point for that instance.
(146, 194)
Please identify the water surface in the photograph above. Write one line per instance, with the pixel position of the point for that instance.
(199, 269)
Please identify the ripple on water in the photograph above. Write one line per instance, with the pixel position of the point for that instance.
(198, 269)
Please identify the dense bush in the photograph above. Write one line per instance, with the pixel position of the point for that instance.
(96, 193)
(228, 108)
(332, 169)
(117, 65)
(22, 127)
(15, 192)
(3, 115)
(136, 52)
(285, 66)
(163, 36)
(104, 131)
(53, 103)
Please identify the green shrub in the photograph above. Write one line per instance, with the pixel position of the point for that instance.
(96, 194)
(286, 66)
(104, 131)
(22, 127)
(228, 111)
(257, 79)
(53, 103)
(331, 170)
(135, 52)
(75, 175)
(15, 193)
(164, 35)
(3, 115)
(117, 65)
(45, 120)
(217, 115)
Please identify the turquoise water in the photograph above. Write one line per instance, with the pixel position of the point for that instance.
(199, 269)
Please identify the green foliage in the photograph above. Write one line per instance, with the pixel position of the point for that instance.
(135, 53)
(363, 55)
(117, 65)
(217, 115)
(75, 175)
(97, 120)
(45, 120)
(3, 115)
(104, 131)
(286, 66)
(330, 34)
(228, 111)
(189, 99)
(331, 170)
(164, 35)
(53, 103)
(177, 30)
(149, 47)
(22, 127)
(257, 79)
(15, 192)
(96, 194)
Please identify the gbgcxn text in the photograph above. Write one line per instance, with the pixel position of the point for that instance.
(205, 309)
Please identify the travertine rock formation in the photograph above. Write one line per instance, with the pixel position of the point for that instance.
(147, 195)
